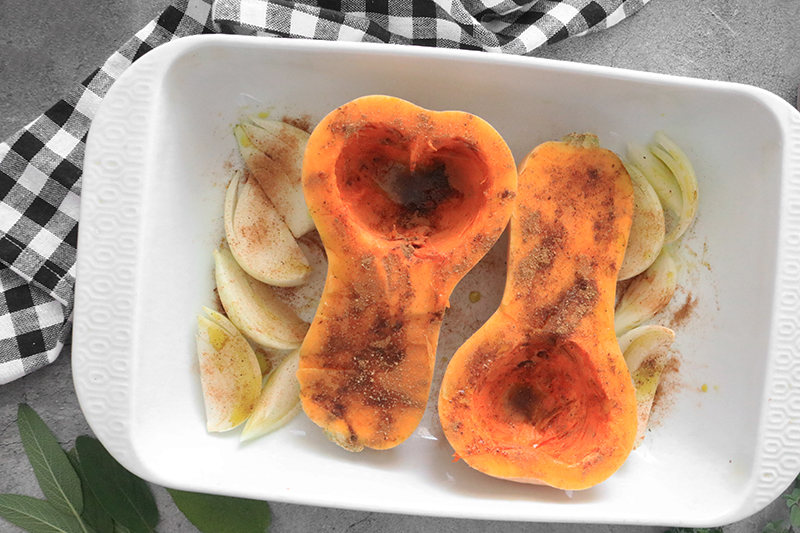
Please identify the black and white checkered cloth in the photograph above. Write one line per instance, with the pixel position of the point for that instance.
(40, 166)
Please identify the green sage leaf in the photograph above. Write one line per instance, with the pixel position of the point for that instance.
(38, 516)
(57, 479)
(222, 514)
(126, 497)
(93, 513)
(794, 516)
(793, 498)
(778, 526)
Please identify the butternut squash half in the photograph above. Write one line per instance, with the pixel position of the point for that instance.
(541, 393)
(406, 201)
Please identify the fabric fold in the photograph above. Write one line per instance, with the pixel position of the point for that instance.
(507, 26)
(42, 164)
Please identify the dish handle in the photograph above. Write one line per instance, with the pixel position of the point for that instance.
(778, 462)
(104, 346)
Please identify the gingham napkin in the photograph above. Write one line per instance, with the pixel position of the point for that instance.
(40, 166)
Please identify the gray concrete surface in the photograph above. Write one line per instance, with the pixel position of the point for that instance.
(47, 47)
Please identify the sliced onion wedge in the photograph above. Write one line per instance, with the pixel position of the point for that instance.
(663, 182)
(229, 372)
(273, 152)
(680, 166)
(254, 308)
(258, 237)
(279, 401)
(646, 352)
(304, 299)
(648, 228)
(647, 294)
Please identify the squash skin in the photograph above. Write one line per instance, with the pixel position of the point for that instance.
(541, 393)
(406, 202)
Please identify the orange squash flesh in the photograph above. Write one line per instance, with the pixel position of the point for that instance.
(406, 201)
(541, 393)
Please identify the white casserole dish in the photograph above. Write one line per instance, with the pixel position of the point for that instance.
(160, 152)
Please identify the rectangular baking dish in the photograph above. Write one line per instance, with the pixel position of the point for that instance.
(725, 438)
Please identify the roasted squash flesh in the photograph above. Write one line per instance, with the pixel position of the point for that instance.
(406, 201)
(541, 393)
